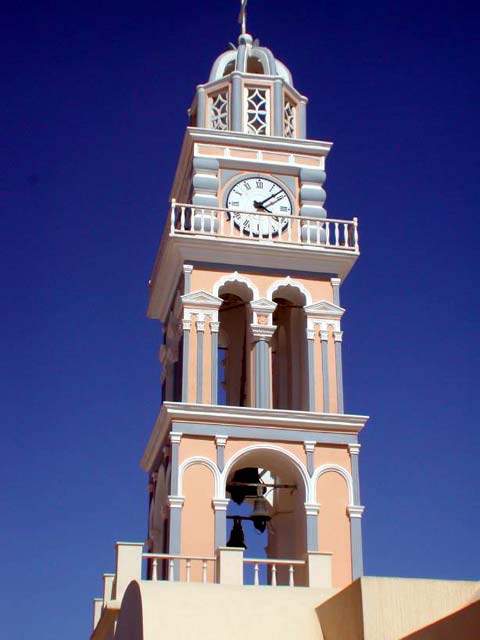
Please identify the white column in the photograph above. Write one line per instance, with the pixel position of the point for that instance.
(325, 377)
(262, 335)
(337, 336)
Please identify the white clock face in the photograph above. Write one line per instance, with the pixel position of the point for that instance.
(254, 199)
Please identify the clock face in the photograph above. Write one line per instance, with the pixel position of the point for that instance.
(254, 199)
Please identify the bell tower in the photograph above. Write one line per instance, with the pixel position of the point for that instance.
(246, 285)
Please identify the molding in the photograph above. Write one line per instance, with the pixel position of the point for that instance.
(324, 309)
(206, 462)
(270, 447)
(263, 305)
(235, 277)
(333, 468)
(176, 502)
(290, 282)
(334, 428)
(201, 300)
(263, 331)
(220, 504)
(355, 511)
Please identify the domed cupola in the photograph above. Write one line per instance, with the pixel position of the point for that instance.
(249, 90)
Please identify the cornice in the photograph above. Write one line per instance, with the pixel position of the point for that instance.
(178, 412)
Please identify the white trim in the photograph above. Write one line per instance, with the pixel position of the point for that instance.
(290, 282)
(355, 511)
(354, 449)
(201, 299)
(206, 462)
(324, 309)
(235, 277)
(269, 447)
(335, 468)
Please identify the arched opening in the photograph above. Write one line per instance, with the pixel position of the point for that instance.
(289, 350)
(254, 65)
(234, 344)
(285, 535)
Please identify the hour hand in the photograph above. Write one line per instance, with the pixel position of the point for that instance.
(260, 206)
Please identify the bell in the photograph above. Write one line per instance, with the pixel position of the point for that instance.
(260, 514)
(248, 477)
(237, 538)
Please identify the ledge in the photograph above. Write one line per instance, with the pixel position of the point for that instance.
(176, 413)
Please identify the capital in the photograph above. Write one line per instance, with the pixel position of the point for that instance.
(309, 446)
(354, 449)
(175, 437)
(355, 511)
(263, 331)
(312, 509)
(176, 502)
(220, 504)
(338, 336)
(221, 441)
(214, 326)
(324, 336)
(186, 324)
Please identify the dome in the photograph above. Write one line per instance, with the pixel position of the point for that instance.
(249, 57)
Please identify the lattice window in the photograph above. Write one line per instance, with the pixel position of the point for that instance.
(258, 112)
(219, 112)
(289, 119)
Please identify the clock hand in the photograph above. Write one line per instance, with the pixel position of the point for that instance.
(270, 197)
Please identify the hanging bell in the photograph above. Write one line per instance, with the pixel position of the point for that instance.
(237, 537)
(260, 514)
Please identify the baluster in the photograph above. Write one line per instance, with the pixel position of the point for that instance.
(345, 234)
(187, 569)
(212, 222)
(155, 569)
(327, 233)
(299, 231)
(274, 575)
(291, 581)
(336, 234)
(204, 571)
(270, 229)
(256, 580)
(319, 226)
(251, 228)
(289, 232)
(171, 572)
(172, 216)
(182, 218)
(202, 218)
(222, 215)
(231, 224)
(355, 233)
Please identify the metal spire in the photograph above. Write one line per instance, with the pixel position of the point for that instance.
(242, 16)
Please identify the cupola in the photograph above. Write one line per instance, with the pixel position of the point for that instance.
(250, 91)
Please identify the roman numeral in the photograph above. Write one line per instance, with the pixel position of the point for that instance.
(247, 186)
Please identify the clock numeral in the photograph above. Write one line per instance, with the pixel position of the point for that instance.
(259, 184)
(234, 204)
(247, 186)
(283, 208)
(239, 193)
(273, 187)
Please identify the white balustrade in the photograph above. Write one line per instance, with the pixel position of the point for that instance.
(324, 233)
(182, 560)
(273, 563)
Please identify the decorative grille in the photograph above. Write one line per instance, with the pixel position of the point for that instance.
(219, 112)
(289, 119)
(257, 111)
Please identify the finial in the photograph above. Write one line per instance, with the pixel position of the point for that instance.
(242, 16)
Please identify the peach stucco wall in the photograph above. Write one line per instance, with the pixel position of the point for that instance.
(197, 536)
(334, 525)
(197, 446)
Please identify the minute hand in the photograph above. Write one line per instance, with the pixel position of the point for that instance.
(273, 196)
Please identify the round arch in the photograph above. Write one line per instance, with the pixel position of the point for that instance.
(298, 464)
(332, 468)
(206, 462)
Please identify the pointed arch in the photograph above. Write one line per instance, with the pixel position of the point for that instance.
(289, 282)
(335, 468)
(235, 277)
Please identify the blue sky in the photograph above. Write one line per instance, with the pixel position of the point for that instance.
(95, 110)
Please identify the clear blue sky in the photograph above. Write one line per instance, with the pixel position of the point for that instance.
(95, 111)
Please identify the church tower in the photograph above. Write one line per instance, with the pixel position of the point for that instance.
(246, 284)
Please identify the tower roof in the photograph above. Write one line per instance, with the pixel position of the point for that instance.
(249, 57)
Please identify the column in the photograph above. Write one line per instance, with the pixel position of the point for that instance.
(337, 336)
(175, 438)
(200, 332)
(262, 335)
(220, 506)
(176, 505)
(187, 324)
(201, 107)
(336, 290)
(311, 511)
(302, 119)
(214, 326)
(326, 384)
(355, 513)
(277, 107)
(236, 106)
(311, 368)
(309, 446)
(187, 278)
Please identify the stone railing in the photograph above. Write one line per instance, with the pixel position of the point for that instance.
(323, 233)
(271, 564)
